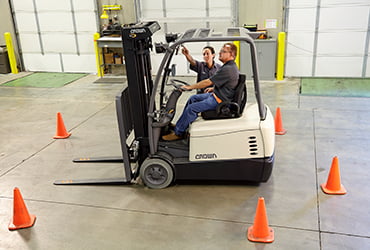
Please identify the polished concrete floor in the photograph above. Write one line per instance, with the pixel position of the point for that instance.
(183, 216)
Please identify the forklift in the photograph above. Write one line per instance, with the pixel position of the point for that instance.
(235, 142)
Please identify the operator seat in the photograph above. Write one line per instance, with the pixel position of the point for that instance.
(232, 109)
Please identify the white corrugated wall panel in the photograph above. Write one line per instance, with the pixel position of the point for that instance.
(57, 35)
(81, 63)
(333, 42)
(179, 16)
(39, 62)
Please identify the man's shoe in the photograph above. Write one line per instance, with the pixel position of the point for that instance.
(171, 137)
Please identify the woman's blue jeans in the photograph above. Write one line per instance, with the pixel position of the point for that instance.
(196, 104)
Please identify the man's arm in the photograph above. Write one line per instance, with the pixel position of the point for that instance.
(199, 85)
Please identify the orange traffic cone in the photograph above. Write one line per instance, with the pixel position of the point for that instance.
(21, 217)
(61, 129)
(279, 130)
(333, 185)
(260, 231)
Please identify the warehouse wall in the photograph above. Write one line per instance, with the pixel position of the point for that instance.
(126, 15)
(257, 12)
(177, 17)
(5, 20)
(324, 37)
(328, 38)
(8, 26)
(57, 35)
(249, 11)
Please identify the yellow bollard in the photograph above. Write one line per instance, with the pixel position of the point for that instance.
(98, 56)
(280, 57)
(237, 58)
(11, 55)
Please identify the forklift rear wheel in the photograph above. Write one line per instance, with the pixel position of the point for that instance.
(156, 173)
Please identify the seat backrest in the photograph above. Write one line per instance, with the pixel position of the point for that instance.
(231, 109)
(240, 96)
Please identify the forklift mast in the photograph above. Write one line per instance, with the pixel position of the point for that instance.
(137, 43)
(132, 105)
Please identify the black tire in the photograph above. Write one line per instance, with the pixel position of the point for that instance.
(156, 173)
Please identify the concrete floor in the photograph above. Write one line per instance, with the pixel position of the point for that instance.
(183, 216)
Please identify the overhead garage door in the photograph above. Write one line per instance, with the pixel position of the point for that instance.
(178, 16)
(56, 36)
(328, 38)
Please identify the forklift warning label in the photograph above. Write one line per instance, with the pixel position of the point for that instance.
(205, 156)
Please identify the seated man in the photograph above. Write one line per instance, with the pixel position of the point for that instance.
(225, 81)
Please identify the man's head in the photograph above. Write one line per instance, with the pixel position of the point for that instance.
(228, 52)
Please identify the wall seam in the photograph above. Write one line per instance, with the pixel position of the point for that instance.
(316, 38)
(366, 50)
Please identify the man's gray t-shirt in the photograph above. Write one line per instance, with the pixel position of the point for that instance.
(225, 81)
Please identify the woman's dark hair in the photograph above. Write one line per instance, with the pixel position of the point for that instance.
(210, 48)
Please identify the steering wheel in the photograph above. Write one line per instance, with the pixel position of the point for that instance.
(178, 84)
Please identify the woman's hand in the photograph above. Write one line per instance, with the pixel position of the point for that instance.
(185, 51)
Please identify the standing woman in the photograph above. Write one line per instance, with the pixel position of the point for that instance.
(204, 69)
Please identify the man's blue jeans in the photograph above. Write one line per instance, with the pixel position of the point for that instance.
(196, 104)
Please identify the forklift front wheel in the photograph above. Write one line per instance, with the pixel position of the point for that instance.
(156, 173)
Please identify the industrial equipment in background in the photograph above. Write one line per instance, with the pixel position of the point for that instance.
(113, 26)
